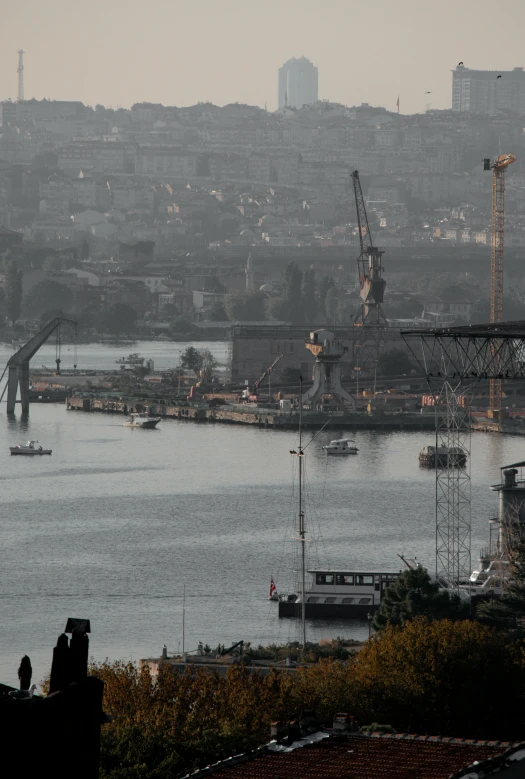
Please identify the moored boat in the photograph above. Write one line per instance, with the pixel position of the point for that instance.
(442, 457)
(31, 448)
(142, 420)
(341, 446)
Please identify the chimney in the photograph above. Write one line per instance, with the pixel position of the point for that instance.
(308, 722)
(345, 723)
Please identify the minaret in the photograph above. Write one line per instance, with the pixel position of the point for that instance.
(250, 274)
(20, 72)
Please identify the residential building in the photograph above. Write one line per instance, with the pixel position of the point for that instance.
(488, 91)
(203, 302)
(298, 83)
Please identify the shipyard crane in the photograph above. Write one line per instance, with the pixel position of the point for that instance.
(498, 167)
(369, 264)
(18, 365)
(251, 393)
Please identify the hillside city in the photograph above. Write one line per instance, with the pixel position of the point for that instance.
(189, 215)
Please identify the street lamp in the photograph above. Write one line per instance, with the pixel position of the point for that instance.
(369, 618)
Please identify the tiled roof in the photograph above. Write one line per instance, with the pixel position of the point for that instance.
(360, 756)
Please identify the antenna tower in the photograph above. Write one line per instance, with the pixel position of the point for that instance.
(20, 72)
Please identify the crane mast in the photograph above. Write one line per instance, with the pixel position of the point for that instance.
(369, 265)
(498, 166)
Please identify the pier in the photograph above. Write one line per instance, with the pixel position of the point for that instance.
(245, 414)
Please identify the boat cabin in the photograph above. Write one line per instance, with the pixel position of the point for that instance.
(348, 588)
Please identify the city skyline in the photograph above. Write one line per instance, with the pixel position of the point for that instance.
(181, 55)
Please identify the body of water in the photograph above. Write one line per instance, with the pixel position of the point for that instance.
(117, 521)
(98, 356)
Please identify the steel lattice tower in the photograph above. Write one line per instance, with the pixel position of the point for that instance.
(20, 72)
(453, 512)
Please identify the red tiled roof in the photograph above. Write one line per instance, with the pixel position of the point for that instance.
(359, 756)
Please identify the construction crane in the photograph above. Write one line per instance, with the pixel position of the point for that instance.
(498, 167)
(18, 365)
(369, 264)
(251, 393)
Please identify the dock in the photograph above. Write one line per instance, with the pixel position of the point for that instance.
(244, 414)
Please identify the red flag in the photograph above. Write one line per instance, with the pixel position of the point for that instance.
(273, 588)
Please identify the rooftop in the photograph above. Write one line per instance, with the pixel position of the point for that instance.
(360, 756)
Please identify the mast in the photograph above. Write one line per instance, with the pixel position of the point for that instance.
(301, 517)
(183, 614)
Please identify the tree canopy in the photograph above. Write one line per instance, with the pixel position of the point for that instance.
(13, 290)
(119, 318)
(414, 594)
(396, 362)
(47, 295)
(245, 306)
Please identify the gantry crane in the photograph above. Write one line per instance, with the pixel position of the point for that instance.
(498, 167)
(18, 365)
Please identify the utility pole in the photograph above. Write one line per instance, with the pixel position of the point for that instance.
(20, 72)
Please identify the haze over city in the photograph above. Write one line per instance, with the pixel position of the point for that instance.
(180, 53)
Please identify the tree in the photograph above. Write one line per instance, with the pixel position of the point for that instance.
(309, 296)
(13, 290)
(293, 280)
(414, 594)
(84, 251)
(279, 309)
(506, 611)
(208, 364)
(120, 318)
(396, 362)
(245, 306)
(48, 294)
(432, 676)
(52, 264)
(325, 284)
(331, 306)
(212, 284)
(191, 360)
(217, 313)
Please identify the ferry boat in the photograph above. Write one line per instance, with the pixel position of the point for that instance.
(341, 446)
(142, 420)
(131, 359)
(331, 593)
(442, 457)
(30, 449)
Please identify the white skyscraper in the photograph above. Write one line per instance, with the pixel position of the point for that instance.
(298, 83)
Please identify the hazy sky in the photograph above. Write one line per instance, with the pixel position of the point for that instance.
(177, 52)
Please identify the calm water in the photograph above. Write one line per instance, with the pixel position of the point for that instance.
(117, 521)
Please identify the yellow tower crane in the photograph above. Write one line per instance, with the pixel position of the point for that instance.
(498, 167)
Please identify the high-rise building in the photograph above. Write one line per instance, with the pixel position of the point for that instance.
(298, 83)
(487, 91)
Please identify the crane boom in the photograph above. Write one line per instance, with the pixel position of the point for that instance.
(18, 365)
(369, 264)
(499, 166)
(267, 372)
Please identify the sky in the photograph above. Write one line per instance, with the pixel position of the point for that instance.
(180, 52)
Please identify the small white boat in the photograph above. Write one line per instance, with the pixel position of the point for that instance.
(31, 448)
(142, 420)
(341, 446)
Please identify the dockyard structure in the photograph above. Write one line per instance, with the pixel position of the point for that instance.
(328, 351)
(455, 361)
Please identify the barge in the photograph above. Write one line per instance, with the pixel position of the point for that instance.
(442, 457)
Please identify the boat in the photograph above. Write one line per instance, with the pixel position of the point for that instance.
(131, 359)
(341, 446)
(30, 449)
(442, 457)
(274, 595)
(142, 420)
(336, 593)
(329, 593)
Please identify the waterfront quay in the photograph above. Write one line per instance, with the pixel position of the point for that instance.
(259, 416)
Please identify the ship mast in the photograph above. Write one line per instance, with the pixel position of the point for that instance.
(302, 531)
